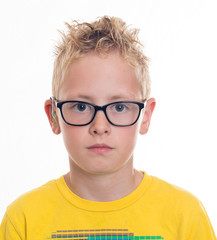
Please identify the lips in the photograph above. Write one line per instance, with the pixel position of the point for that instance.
(100, 148)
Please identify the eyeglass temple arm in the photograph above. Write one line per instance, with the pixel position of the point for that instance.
(54, 102)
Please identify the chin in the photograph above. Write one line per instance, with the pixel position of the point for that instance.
(102, 170)
(97, 166)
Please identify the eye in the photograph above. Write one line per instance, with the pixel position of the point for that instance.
(81, 107)
(78, 107)
(120, 107)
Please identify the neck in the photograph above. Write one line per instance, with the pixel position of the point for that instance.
(103, 187)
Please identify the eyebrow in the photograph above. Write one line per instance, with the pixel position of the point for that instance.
(84, 97)
(115, 97)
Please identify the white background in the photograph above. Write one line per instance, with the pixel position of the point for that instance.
(179, 37)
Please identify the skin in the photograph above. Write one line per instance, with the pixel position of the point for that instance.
(101, 80)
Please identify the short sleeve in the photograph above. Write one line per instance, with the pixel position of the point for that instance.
(7, 230)
(199, 227)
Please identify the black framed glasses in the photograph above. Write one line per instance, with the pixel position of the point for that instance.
(80, 113)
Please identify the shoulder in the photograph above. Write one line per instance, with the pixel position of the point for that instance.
(178, 205)
(28, 209)
(34, 199)
(182, 209)
(173, 196)
(169, 189)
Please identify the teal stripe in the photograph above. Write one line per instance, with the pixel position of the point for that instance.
(112, 237)
(124, 237)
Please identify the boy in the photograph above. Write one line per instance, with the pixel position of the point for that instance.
(100, 103)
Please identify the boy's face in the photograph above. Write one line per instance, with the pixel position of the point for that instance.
(100, 81)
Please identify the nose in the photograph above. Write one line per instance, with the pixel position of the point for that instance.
(100, 125)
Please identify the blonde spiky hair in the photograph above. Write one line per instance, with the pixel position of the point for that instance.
(101, 36)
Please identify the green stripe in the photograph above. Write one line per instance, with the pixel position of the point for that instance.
(111, 237)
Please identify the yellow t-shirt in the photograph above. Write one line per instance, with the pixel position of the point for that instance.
(155, 210)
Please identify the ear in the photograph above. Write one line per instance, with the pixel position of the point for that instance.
(52, 117)
(149, 108)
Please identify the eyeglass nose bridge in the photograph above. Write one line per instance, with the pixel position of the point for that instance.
(101, 108)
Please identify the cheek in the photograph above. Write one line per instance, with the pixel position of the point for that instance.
(73, 137)
(128, 136)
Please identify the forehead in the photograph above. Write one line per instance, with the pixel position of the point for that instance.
(100, 77)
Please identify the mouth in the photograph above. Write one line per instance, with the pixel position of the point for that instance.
(100, 148)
